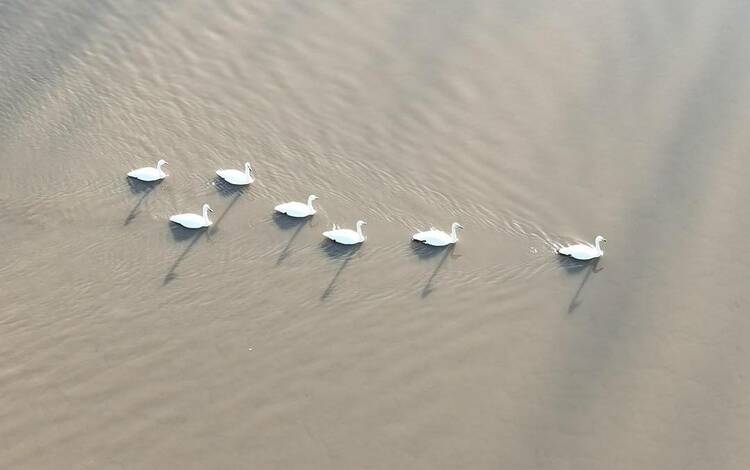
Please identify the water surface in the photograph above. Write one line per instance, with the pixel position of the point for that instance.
(127, 343)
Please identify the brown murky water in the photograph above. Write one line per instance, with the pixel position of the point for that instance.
(126, 343)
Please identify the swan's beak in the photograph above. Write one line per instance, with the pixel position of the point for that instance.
(210, 209)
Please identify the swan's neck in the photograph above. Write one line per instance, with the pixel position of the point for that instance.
(454, 235)
(309, 203)
(205, 215)
(247, 170)
(158, 167)
(359, 230)
(598, 246)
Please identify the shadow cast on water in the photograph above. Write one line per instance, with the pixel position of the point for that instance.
(215, 226)
(428, 252)
(342, 252)
(196, 235)
(181, 233)
(226, 189)
(285, 222)
(139, 187)
(425, 252)
(574, 266)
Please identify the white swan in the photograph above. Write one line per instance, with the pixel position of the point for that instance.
(584, 251)
(236, 176)
(297, 209)
(193, 220)
(437, 237)
(148, 173)
(346, 236)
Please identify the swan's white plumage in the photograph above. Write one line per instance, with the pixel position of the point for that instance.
(437, 237)
(193, 220)
(346, 236)
(148, 173)
(297, 209)
(583, 251)
(236, 176)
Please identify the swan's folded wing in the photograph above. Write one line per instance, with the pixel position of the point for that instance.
(582, 252)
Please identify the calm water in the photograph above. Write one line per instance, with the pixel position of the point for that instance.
(126, 343)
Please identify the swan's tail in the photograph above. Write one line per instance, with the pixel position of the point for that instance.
(565, 251)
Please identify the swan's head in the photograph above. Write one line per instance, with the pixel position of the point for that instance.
(312, 197)
(600, 239)
(160, 163)
(361, 223)
(206, 207)
(248, 168)
(456, 225)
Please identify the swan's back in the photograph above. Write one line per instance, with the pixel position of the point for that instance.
(581, 252)
(294, 209)
(189, 220)
(146, 174)
(234, 176)
(420, 236)
(343, 235)
(434, 237)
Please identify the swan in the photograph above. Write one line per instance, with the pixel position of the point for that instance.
(437, 237)
(297, 209)
(584, 251)
(346, 236)
(193, 220)
(148, 173)
(236, 176)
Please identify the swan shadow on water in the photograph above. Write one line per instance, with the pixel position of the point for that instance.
(338, 251)
(215, 225)
(428, 252)
(180, 233)
(284, 222)
(573, 266)
(226, 189)
(139, 187)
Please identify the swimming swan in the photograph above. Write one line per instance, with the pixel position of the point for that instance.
(236, 176)
(148, 173)
(297, 209)
(346, 236)
(193, 220)
(437, 237)
(584, 251)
